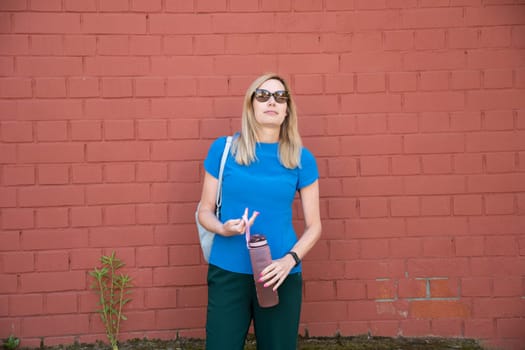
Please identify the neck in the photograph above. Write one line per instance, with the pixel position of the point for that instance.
(265, 135)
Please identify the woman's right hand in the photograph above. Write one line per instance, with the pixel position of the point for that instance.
(234, 227)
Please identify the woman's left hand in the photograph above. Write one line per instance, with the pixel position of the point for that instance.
(275, 273)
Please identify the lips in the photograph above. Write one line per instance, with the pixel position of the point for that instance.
(270, 112)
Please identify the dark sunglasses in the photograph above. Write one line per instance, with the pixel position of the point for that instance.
(263, 95)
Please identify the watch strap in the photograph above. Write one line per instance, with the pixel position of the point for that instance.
(295, 257)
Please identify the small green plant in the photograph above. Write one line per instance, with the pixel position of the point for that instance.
(11, 343)
(113, 288)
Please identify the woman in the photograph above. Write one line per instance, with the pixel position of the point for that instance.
(267, 165)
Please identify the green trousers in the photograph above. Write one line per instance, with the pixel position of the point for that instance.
(232, 305)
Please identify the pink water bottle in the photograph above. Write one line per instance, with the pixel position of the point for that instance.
(261, 257)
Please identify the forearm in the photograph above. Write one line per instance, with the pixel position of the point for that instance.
(208, 219)
(307, 241)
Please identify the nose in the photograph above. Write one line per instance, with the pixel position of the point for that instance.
(271, 100)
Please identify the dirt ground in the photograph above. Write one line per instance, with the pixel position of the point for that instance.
(333, 343)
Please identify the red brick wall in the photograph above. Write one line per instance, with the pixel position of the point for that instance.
(414, 108)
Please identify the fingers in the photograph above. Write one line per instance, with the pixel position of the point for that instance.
(275, 274)
(253, 217)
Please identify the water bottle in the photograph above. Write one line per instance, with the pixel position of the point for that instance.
(260, 257)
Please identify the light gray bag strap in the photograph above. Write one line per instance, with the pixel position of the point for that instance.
(218, 201)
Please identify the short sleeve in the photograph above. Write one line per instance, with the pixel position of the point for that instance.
(308, 171)
(212, 163)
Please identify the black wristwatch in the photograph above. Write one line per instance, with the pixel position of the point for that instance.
(295, 257)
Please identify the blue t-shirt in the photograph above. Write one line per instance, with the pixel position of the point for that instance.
(265, 186)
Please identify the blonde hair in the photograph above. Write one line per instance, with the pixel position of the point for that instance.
(290, 144)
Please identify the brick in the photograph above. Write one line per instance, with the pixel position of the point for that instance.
(116, 66)
(498, 120)
(91, 173)
(412, 288)
(9, 283)
(152, 256)
(33, 22)
(433, 18)
(501, 245)
(493, 15)
(26, 305)
(122, 172)
(52, 281)
(437, 164)
(406, 165)
(371, 82)
(83, 87)
(449, 328)
(183, 255)
(496, 58)
(432, 81)
(415, 327)
(371, 62)
(50, 87)
(438, 247)
(85, 130)
(117, 194)
(508, 286)
(494, 141)
(374, 166)
(373, 207)
(495, 183)
(18, 175)
(209, 45)
(84, 258)
(61, 303)
(404, 206)
(114, 23)
(186, 107)
(497, 78)
(17, 218)
(500, 162)
(444, 288)
(50, 153)
(51, 131)
(146, 6)
(150, 87)
(56, 325)
(437, 143)
(121, 237)
(429, 39)
(152, 172)
(117, 87)
(381, 289)
(398, 40)
(319, 290)
(51, 196)
(502, 307)
(86, 216)
(52, 217)
(18, 262)
(15, 88)
(495, 37)
(439, 309)
(510, 328)
(499, 204)
(465, 80)
(479, 328)
(118, 151)
(52, 261)
(373, 269)
(374, 249)
(152, 214)
(468, 163)
(342, 166)
(53, 174)
(9, 241)
(372, 186)
(467, 205)
(16, 131)
(119, 215)
(161, 298)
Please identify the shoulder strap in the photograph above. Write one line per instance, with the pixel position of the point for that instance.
(218, 202)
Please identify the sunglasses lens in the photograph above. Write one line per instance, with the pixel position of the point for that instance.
(262, 95)
(281, 96)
